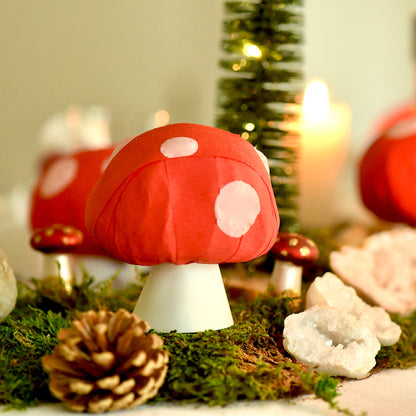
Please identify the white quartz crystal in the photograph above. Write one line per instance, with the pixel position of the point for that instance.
(383, 268)
(331, 341)
(8, 288)
(330, 291)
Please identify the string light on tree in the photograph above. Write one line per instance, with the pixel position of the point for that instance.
(251, 50)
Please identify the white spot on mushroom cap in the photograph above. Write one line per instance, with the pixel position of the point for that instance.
(264, 160)
(330, 291)
(58, 177)
(179, 147)
(332, 341)
(404, 128)
(236, 208)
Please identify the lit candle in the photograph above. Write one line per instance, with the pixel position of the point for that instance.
(325, 138)
(158, 119)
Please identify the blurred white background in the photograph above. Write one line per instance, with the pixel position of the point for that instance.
(135, 57)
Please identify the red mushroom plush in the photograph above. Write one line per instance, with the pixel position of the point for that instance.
(61, 193)
(60, 196)
(387, 174)
(184, 198)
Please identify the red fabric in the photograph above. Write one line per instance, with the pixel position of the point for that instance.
(149, 209)
(387, 175)
(68, 206)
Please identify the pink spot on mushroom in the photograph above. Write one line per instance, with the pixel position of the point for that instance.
(58, 177)
(179, 147)
(236, 208)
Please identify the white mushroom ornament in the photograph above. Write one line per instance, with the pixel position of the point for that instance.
(184, 198)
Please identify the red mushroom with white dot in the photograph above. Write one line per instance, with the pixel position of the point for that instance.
(184, 198)
(57, 242)
(61, 194)
(291, 252)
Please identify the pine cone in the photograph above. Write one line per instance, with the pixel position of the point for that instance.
(106, 362)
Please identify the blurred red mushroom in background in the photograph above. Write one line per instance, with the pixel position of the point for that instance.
(60, 196)
(291, 252)
(57, 242)
(61, 193)
(184, 198)
(387, 174)
(62, 133)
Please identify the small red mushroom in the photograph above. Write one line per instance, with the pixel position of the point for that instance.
(184, 198)
(291, 252)
(57, 242)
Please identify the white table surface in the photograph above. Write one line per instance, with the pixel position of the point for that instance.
(387, 393)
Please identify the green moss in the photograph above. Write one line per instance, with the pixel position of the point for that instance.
(403, 353)
(30, 332)
(244, 362)
(24, 340)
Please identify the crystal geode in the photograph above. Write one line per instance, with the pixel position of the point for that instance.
(331, 341)
(383, 269)
(329, 291)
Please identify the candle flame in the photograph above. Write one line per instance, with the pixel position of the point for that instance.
(316, 101)
(161, 118)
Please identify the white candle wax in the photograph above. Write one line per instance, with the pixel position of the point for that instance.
(324, 129)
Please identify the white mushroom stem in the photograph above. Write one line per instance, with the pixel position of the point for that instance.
(186, 298)
(286, 276)
(55, 264)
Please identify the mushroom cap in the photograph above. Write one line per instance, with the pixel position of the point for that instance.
(295, 248)
(57, 238)
(61, 194)
(184, 193)
(387, 172)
